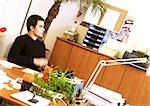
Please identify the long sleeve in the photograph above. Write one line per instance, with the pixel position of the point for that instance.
(15, 54)
(24, 49)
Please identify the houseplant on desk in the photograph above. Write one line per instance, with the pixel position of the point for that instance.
(57, 84)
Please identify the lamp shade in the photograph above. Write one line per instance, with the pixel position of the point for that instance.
(3, 29)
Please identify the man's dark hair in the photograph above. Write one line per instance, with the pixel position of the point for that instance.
(32, 21)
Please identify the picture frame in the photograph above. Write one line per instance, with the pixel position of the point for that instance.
(114, 23)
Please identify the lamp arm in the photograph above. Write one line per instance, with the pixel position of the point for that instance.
(103, 63)
(126, 61)
(95, 73)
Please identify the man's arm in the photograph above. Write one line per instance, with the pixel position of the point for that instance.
(15, 53)
(16, 57)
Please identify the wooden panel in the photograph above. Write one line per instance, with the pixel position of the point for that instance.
(112, 77)
(93, 60)
(78, 61)
(83, 62)
(131, 84)
(143, 98)
(60, 54)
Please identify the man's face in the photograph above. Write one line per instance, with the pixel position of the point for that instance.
(39, 29)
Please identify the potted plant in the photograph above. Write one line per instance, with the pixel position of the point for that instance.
(56, 84)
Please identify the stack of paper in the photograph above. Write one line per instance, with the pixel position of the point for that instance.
(7, 64)
(28, 70)
(3, 79)
(25, 96)
(102, 96)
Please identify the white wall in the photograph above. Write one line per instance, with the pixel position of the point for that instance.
(39, 7)
(62, 22)
(12, 13)
(139, 37)
(16, 9)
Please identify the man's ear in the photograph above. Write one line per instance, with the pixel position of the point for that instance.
(31, 28)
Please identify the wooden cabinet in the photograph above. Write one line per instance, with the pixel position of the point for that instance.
(131, 83)
(143, 98)
(125, 79)
(75, 57)
(112, 77)
(60, 54)
(78, 62)
(83, 63)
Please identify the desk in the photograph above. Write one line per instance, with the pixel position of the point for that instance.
(5, 94)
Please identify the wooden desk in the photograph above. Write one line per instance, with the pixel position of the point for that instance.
(5, 94)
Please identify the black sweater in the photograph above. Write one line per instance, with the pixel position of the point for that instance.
(24, 50)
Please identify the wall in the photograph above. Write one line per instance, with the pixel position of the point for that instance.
(137, 40)
(12, 13)
(18, 11)
(138, 9)
(39, 7)
(138, 36)
(62, 22)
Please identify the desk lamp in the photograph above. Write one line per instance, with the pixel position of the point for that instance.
(103, 63)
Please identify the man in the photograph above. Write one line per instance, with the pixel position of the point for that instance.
(27, 50)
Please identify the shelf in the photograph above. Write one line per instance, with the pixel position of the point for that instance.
(94, 37)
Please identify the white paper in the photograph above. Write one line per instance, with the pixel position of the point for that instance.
(24, 96)
(3, 76)
(103, 95)
(110, 19)
(4, 79)
(97, 101)
(28, 70)
(9, 65)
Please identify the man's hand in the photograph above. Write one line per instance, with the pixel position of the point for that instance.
(40, 62)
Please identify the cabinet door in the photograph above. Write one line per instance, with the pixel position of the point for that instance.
(60, 54)
(83, 62)
(131, 84)
(112, 77)
(92, 62)
(78, 62)
(143, 99)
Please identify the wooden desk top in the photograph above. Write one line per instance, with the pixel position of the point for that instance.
(5, 94)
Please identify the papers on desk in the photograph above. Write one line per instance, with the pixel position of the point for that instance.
(100, 96)
(5, 81)
(24, 96)
(28, 70)
(9, 65)
(3, 78)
